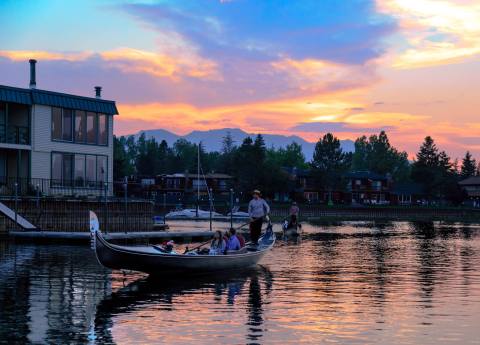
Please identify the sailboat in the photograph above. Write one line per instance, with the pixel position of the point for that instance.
(195, 213)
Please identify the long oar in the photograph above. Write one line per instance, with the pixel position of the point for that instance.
(241, 226)
(200, 245)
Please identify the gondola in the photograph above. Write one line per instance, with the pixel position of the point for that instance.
(150, 259)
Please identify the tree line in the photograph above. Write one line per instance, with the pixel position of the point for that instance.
(256, 166)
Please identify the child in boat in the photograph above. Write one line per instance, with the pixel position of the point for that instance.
(218, 245)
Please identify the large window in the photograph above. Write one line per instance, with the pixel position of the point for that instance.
(91, 128)
(91, 170)
(79, 126)
(79, 170)
(62, 124)
(101, 169)
(102, 129)
(57, 123)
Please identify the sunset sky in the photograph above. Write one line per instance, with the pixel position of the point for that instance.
(350, 67)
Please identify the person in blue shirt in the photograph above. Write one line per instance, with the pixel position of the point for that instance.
(232, 242)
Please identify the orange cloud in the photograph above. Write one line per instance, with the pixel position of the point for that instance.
(313, 74)
(131, 60)
(438, 32)
(160, 65)
(21, 55)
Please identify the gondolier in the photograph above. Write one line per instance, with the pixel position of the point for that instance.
(258, 209)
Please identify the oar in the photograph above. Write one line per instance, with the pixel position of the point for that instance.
(241, 226)
(200, 245)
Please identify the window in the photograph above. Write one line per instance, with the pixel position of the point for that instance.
(57, 159)
(78, 170)
(199, 184)
(67, 125)
(67, 169)
(91, 167)
(80, 126)
(101, 169)
(102, 129)
(91, 128)
(62, 124)
(57, 123)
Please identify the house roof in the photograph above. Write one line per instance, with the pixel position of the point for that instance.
(56, 99)
(472, 180)
(366, 175)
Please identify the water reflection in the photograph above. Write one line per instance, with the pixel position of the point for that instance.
(161, 294)
(355, 282)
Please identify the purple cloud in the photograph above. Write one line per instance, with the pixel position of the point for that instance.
(338, 127)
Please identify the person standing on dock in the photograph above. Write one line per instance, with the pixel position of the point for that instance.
(258, 209)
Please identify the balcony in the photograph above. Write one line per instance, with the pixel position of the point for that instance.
(19, 135)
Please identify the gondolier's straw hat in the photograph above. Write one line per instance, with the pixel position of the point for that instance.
(256, 191)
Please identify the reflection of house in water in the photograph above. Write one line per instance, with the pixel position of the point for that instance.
(50, 293)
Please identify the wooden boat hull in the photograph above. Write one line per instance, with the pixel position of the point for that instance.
(146, 259)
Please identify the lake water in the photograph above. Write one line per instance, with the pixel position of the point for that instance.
(348, 283)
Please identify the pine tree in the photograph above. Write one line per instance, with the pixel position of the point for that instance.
(469, 166)
(329, 163)
(428, 154)
(376, 154)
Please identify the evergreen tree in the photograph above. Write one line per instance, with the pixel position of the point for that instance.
(376, 154)
(121, 164)
(225, 161)
(435, 172)
(469, 166)
(329, 163)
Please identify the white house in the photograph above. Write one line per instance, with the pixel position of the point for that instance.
(55, 142)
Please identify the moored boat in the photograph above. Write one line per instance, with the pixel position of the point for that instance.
(150, 259)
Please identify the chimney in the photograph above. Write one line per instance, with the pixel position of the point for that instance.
(33, 83)
(98, 92)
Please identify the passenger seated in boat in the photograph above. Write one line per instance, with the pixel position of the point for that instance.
(232, 243)
(241, 239)
(218, 245)
(166, 247)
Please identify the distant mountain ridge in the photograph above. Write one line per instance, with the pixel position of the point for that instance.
(212, 139)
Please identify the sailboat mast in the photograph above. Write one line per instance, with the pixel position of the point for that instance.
(198, 176)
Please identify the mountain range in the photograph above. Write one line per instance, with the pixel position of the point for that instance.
(212, 139)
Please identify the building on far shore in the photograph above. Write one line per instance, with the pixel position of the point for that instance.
(407, 193)
(366, 187)
(184, 186)
(61, 144)
(471, 186)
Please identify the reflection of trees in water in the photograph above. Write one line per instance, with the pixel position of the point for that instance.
(255, 310)
(435, 254)
(146, 292)
(48, 295)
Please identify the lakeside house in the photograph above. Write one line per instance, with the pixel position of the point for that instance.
(366, 187)
(184, 186)
(471, 186)
(407, 193)
(59, 143)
